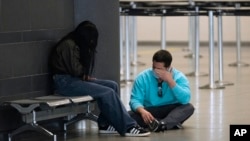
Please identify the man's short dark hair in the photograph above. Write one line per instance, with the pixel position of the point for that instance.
(163, 56)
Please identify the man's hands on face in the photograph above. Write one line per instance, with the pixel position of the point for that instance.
(165, 75)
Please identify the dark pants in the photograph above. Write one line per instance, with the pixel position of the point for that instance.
(105, 92)
(171, 115)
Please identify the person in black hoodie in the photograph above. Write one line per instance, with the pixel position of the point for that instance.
(72, 62)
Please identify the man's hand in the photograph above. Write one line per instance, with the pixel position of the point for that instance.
(165, 76)
(146, 116)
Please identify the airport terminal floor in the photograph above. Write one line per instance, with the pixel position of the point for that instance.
(216, 109)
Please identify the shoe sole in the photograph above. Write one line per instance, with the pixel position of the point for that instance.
(107, 132)
(137, 135)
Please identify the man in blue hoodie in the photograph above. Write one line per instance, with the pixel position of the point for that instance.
(161, 95)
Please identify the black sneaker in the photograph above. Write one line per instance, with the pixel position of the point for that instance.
(153, 126)
(137, 131)
(156, 126)
(178, 126)
(107, 130)
(161, 127)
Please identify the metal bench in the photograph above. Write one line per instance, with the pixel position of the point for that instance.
(51, 107)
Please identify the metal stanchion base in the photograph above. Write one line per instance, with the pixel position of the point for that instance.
(196, 74)
(223, 83)
(137, 64)
(191, 56)
(208, 86)
(122, 73)
(122, 85)
(239, 64)
(126, 81)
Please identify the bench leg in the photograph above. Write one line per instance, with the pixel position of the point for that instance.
(80, 117)
(88, 115)
(34, 127)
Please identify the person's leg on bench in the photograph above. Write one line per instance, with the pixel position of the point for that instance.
(105, 92)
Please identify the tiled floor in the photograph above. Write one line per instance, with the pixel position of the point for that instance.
(215, 110)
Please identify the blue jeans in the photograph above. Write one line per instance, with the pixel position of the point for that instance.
(105, 92)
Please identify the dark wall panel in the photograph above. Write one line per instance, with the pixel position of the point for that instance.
(28, 30)
(15, 15)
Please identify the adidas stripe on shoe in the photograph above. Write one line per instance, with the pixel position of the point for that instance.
(107, 130)
(137, 131)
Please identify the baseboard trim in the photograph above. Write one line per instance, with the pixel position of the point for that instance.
(184, 44)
